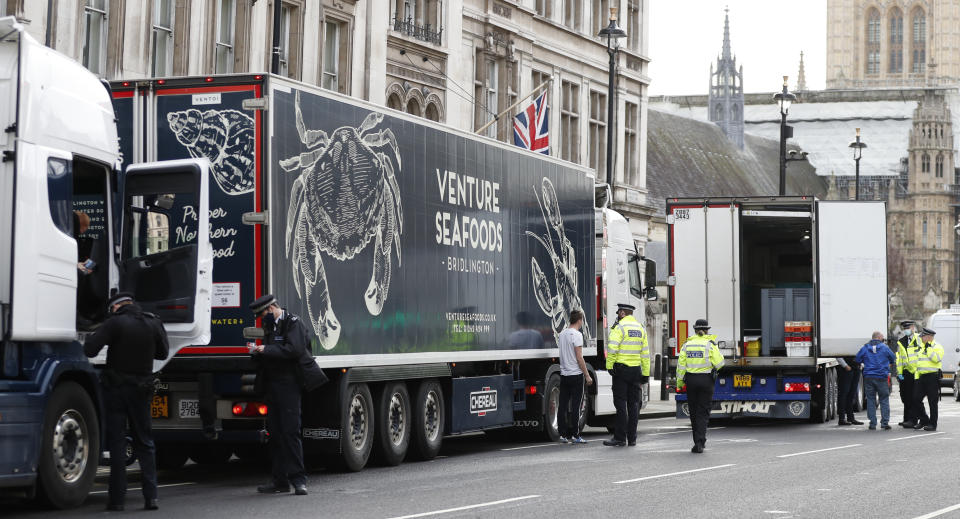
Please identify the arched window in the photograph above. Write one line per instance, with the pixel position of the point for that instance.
(718, 113)
(395, 102)
(413, 107)
(925, 163)
(940, 165)
(873, 41)
(919, 41)
(939, 233)
(432, 113)
(896, 41)
(923, 237)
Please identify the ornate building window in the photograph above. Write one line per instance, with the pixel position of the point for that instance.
(413, 107)
(570, 122)
(923, 275)
(925, 163)
(395, 102)
(419, 19)
(163, 20)
(873, 41)
(896, 41)
(601, 15)
(923, 235)
(919, 47)
(598, 131)
(432, 113)
(225, 38)
(939, 233)
(571, 14)
(633, 25)
(939, 172)
(545, 8)
(95, 36)
(335, 66)
(630, 147)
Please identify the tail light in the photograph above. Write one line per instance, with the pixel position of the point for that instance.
(249, 409)
(531, 390)
(797, 387)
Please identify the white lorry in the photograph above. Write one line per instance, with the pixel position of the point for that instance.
(946, 322)
(59, 151)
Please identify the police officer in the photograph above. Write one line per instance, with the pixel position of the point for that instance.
(286, 367)
(628, 361)
(907, 348)
(699, 358)
(929, 363)
(135, 338)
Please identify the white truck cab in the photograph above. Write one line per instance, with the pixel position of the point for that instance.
(946, 322)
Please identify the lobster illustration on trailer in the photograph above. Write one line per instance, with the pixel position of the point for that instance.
(345, 196)
(226, 138)
(563, 298)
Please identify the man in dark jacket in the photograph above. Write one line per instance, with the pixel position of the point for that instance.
(135, 339)
(286, 367)
(876, 359)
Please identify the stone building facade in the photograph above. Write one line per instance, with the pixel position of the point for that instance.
(725, 99)
(460, 62)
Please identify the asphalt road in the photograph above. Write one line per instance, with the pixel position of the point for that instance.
(750, 469)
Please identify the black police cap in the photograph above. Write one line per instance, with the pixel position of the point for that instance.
(120, 297)
(928, 331)
(624, 306)
(262, 303)
(701, 324)
(904, 324)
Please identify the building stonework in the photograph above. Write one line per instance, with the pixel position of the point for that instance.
(725, 100)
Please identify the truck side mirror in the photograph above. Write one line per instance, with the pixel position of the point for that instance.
(253, 333)
(650, 293)
(650, 278)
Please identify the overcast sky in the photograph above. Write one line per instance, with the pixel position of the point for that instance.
(765, 35)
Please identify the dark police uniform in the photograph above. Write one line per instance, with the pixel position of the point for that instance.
(135, 338)
(286, 367)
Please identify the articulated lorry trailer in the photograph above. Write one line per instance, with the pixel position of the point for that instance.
(59, 159)
(788, 284)
(434, 268)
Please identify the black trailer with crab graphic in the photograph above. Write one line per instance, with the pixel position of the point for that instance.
(435, 268)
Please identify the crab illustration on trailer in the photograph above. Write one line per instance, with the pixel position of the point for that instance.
(226, 138)
(556, 302)
(345, 196)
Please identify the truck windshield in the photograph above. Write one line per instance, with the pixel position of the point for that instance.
(633, 270)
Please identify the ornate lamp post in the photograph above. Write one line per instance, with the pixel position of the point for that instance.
(613, 33)
(858, 147)
(784, 99)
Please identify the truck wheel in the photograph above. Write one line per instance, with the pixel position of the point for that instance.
(551, 428)
(69, 448)
(356, 440)
(819, 399)
(393, 424)
(428, 420)
(171, 456)
(211, 454)
(956, 386)
(832, 393)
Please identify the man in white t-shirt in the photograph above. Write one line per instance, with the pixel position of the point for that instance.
(573, 373)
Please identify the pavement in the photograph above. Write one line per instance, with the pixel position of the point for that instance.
(752, 468)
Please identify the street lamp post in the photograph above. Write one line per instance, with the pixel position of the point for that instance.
(784, 99)
(858, 147)
(613, 33)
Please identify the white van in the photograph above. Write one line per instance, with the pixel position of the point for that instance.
(946, 323)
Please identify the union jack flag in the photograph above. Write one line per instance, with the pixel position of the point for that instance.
(531, 129)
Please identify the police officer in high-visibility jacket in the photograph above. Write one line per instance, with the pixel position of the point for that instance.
(628, 361)
(907, 348)
(929, 363)
(699, 358)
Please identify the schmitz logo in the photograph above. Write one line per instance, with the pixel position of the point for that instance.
(483, 401)
(745, 407)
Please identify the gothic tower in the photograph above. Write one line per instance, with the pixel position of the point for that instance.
(725, 100)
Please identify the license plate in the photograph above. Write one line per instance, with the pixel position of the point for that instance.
(160, 406)
(743, 381)
(189, 408)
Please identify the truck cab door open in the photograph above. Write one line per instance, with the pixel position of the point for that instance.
(166, 260)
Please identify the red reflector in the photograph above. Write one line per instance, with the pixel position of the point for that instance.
(238, 409)
(258, 78)
(262, 409)
(126, 83)
(797, 387)
(162, 82)
(209, 80)
(531, 390)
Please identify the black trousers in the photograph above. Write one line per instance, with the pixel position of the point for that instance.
(626, 399)
(847, 384)
(571, 400)
(906, 396)
(700, 400)
(927, 385)
(283, 423)
(129, 404)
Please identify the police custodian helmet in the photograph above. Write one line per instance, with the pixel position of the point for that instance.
(701, 324)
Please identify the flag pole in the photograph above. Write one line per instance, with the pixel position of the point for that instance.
(514, 105)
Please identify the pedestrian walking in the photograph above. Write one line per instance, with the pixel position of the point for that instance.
(573, 375)
(848, 381)
(286, 367)
(628, 361)
(698, 361)
(876, 358)
(908, 346)
(136, 338)
(929, 364)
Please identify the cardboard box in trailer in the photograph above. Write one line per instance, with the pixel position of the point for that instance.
(435, 268)
(788, 284)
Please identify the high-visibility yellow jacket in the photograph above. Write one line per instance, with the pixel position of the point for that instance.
(929, 358)
(907, 356)
(699, 354)
(627, 344)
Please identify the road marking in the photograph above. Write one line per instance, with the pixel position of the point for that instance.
(531, 446)
(775, 512)
(820, 450)
(468, 507)
(915, 436)
(685, 430)
(673, 474)
(158, 486)
(939, 512)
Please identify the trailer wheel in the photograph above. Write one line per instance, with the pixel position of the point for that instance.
(357, 426)
(171, 456)
(819, 400)
(428, 421)
(69, 447)
(831, 393)
(551, 427)
(392, 436)
(956, 387)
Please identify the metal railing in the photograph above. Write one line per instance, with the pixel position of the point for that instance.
(424, 32)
